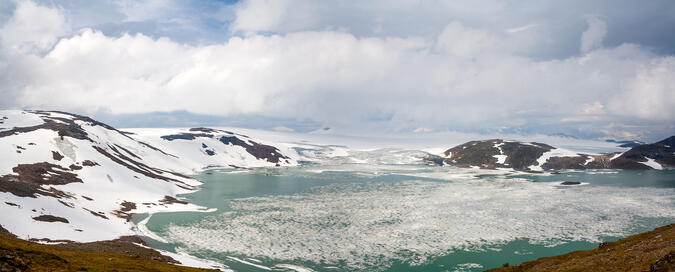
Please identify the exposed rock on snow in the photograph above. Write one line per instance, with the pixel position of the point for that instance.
(68, 177)
(497, 153)
(198, 148)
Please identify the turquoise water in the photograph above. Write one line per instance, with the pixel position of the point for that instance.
(409, 217)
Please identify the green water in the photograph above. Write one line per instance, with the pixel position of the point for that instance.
(274, 204)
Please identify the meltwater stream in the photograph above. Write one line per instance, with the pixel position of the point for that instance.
(409, 217)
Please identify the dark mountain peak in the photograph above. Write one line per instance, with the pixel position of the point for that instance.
(670, 141)
(499, 153)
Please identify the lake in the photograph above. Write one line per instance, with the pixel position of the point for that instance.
(390, 217)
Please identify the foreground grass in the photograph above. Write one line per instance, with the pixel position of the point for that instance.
(116, 255)
(649, 251)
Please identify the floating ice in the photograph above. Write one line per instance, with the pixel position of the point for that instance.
(374, 223)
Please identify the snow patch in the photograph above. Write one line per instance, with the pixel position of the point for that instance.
(653, 164)
(557, 152)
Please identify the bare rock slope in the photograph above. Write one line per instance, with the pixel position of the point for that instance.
(497, 153)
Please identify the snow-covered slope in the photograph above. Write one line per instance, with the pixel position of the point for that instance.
(199, 148)
(65, 176)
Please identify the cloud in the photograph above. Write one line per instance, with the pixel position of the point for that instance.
(283, 129)
(32, 28)
(593, 36)
(592, 109)
(650, 94)
(521, 28)
(462, 77)
(256, 15)
(461, 41)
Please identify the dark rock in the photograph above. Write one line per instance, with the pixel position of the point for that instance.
(665, 264)
(570, 183)
(123, 212)
(57, 156)
(474, 153)
(127, 206)
(50, 218)
(69, 205)
(260, 151)
(186, 136)
(126, 150)
(97, 214)
(172, 200)
(30, 178)
(89, 163)
(521, 156)
(560, 163)
(206, 130)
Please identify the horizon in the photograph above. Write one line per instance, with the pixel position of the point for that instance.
(596, 71)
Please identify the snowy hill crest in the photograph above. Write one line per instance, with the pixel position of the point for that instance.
(66, 176)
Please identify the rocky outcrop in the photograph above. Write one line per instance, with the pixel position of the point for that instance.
(497, 153)
(31, 180)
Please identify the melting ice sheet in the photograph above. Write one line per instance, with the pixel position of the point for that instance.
(376, 223)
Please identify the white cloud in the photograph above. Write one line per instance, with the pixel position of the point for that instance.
(461, 41)
(650, 94)
(257, 15)
(33, 28)
(283, 129)
(461, 78)
(595, 108)
(593, 36)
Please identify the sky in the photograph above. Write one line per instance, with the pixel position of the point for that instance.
(586, 69)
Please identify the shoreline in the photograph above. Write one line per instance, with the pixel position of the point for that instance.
(648, 251)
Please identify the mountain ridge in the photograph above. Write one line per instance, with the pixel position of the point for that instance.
(532, 156)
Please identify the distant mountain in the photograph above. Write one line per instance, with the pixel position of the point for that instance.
(627, 144)
(497, 153)
(68, 177)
